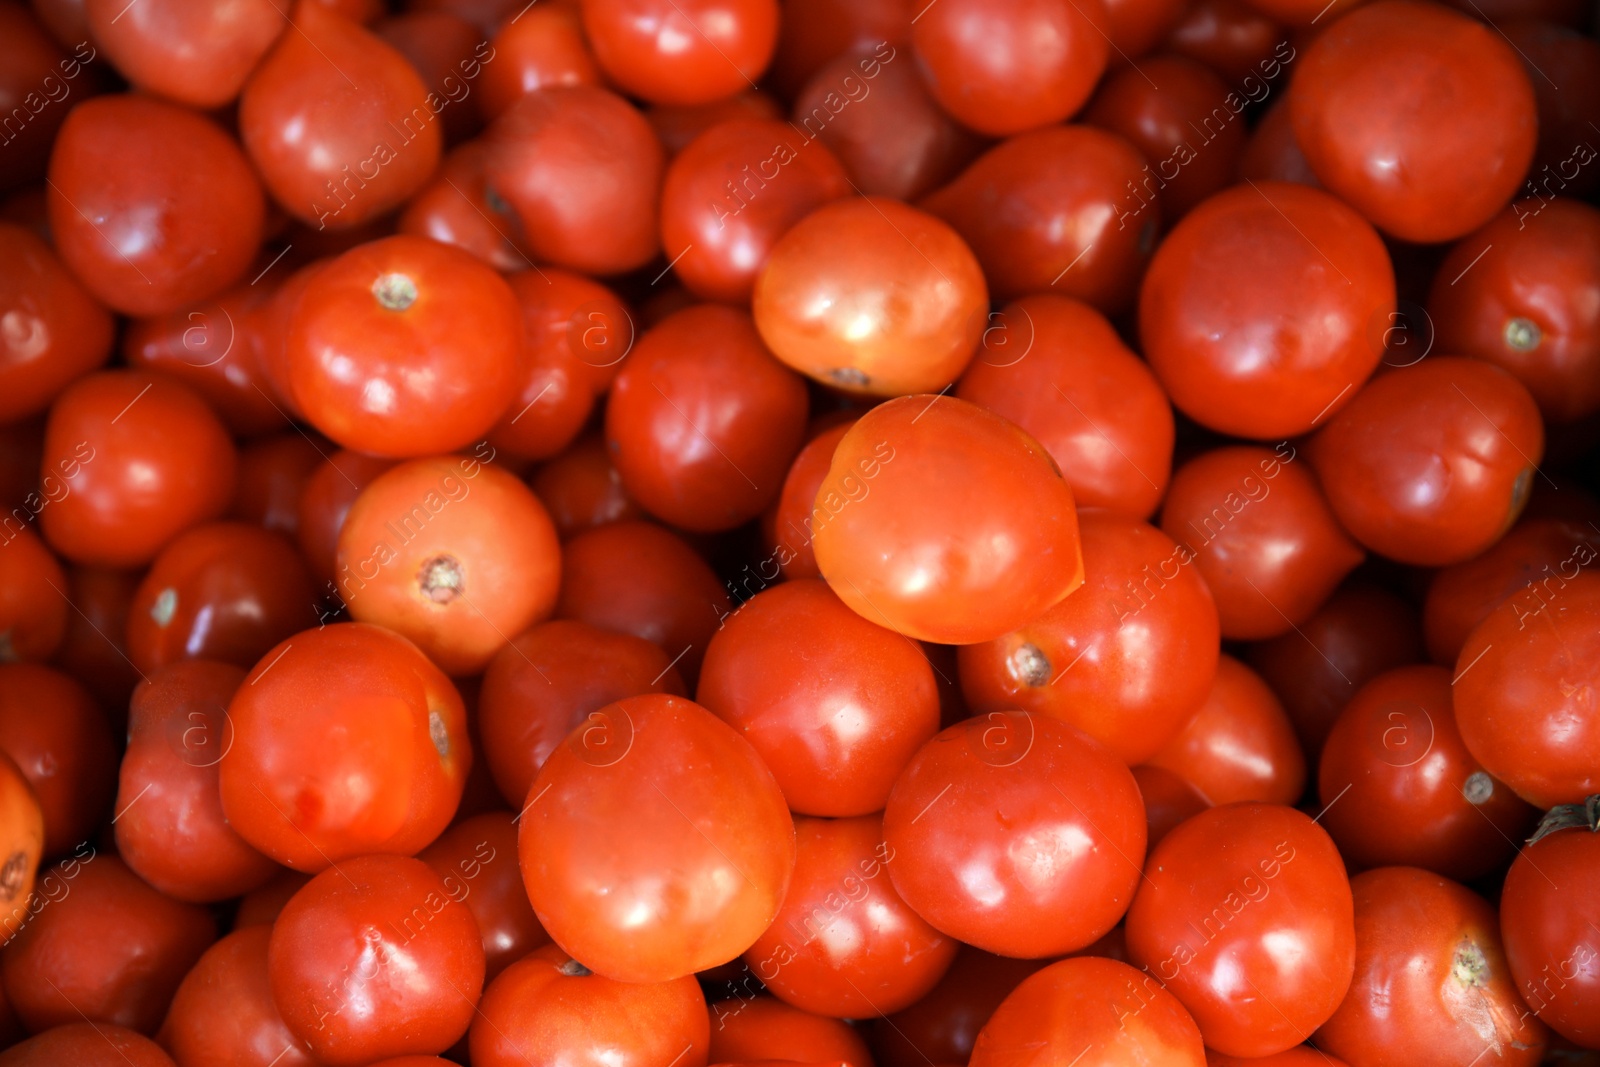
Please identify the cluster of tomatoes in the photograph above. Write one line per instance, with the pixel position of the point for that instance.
(1116, 479)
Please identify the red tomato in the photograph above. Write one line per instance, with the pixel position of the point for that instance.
(195, 54)
(1110, 1011)
(1431, 981)
(792, 521)
(374, 957)
(21, 843)
(223, 1012)
(325, 503)
(34, 602)
(946, 523)
(1245, 915)
(542, 46)
(682, 51)
(757, 1027)
(455, 209)
(943, 1026)
(654, 842)
(59, 739)
(348, 741)
(582, 488)
(51, 330)
(273, 472)
(86, 1044)
(477, 861)
(1017, 834)
(1168, 800)
(835, 704)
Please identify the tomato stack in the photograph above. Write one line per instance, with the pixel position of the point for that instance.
(882, 533)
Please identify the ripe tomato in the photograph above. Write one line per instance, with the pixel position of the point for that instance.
(654, 842)
(1245, 915)
(835, 704)
(34, 601)
(62, 743)
(21, 843)
(543, 46)
(195, 54)
(1016, 833)
(1168, 800)
(582, 489)
(760, 1027)
(1431, 981)
(52, 331)
(943, 1026)
(477, 861)
(1112, 1013)
(946, 523)
(223, 1011)
(86, 1044)
(682, 51)
(348, 741)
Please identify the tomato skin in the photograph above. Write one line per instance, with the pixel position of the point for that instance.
(349, 741)
(198, 55)
(21, 843)
(1130, 687)
(223, 1012)
(703, 375)
(477, 861)
(1549, 911)
(1430, 464)
(682, 51)
(34, 600)
(86, 1044)
(873, 954)
(1299, 1056)
(338, 122)
(454, 210)
(1524, 691)
(152, 206)
(1427, 144)
(873, 297)
(757, 1027)
(1069, 227)
(51, 330)
(175, 837)
(944, 1024)
(812, 32)
(1199, 925)
(1004, 66)
(325, 503)
(1232, 38)
(404, 347)
(62, 743)
(546, 1008)
(541, 47)
(947, 523)
(582, 488)
(1205, 337)
(373, 958)
(1431, 982)
(143, 457)
(1116, 1014)
(835, 704)
(655, 806)
(581, 169)
(977, 875)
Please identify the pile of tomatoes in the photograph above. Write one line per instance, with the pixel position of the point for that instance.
(656, 533)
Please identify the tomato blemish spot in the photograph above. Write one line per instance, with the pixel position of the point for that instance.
(395, 291)
(1523, 335)
(165, 607)
(1029, 665)
(439, 734)
(440, 579)
(1479, 788)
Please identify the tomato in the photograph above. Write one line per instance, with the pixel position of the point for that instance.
(325, 503)
(1421, 118)
(1400, 787)
(1137, 26)
(339, 124)
(1520, 293)
(1227, 354)
(791, 522)
(59, 739)
(1272, 154)
(757, 1027)
(1112, 1012)
(452, 553)
(198, 55)
(702, 422)
(654, 842)
(1239, 745)
(221, 591)
(87, 1044)
(1168, 800)
(152, 206)
(1264, 538)
(582, 489)
(1185, 122)
(94, 649)
(1245, 915)
(638, 578)
(1557, 56)
(1126, 659)
(170, 828)
(263, 904)
(272, 474)
(1233, 38)
(581, 171)
(1549, 915)
(374, 957)
(944, 1024)
(1358, 634)
(835, 704)
(878, 117)
(730, 195)
(678, 124)
(1066, 185)
(541, 47)
(34, 602)
(21, 843)
(871, 296)
(1524, 691)
(446, 50)
(549, 1007)
(347, 741)
(1431, 979)
(99, 944)
(51, 330)
(223, 1011)
(1004, 66)
(404, 347)
(477, 860)
(455, 209)
(955, 530)
(139, 458)
(1017, 834)
(1299, 1056)
(812, 32)
(1431, 463)
(34, 75)
(682, 51)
